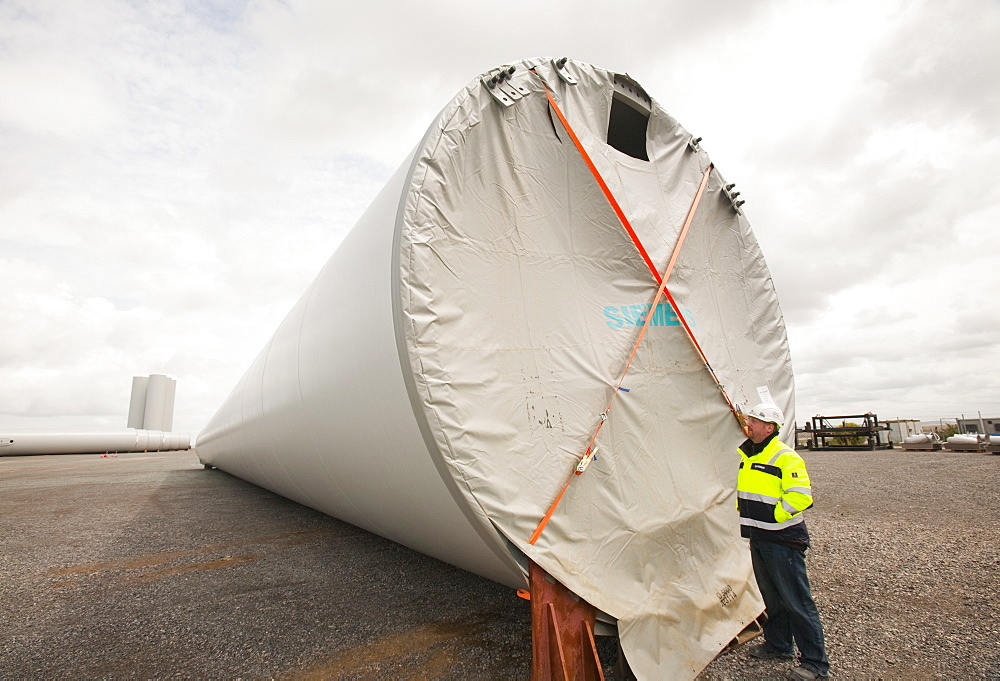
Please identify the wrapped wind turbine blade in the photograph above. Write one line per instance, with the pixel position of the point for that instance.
(445, 374)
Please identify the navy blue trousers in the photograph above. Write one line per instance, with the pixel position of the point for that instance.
(791, 610)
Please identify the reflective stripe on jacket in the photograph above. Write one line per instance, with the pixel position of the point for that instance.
(773, 490)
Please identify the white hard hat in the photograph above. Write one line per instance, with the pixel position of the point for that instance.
(767, 413)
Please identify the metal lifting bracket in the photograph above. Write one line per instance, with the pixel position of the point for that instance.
(731, 195)
(500, 84)
(560, 66)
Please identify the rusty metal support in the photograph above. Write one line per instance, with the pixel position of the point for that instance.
(563, 647)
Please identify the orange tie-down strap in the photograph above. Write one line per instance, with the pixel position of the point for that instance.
(661, 292)
(638, 244)
(635, 347)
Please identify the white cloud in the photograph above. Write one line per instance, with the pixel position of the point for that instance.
(173, 175)
(51, 99)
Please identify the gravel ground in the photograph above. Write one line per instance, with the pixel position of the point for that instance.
(148, 566)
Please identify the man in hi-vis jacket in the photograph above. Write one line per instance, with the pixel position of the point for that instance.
(773, 490)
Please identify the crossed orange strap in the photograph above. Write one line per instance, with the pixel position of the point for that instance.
(662, 291)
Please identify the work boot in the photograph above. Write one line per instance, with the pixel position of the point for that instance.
(762, 651)
(806, 674)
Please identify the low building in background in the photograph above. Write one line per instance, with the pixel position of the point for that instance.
(979, 424)
(899, 430)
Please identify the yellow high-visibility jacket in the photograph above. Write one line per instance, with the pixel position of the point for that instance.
(772, 492)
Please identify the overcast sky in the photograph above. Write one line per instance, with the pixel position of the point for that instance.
(174, 174)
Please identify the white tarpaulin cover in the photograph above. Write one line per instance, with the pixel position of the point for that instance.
(443, 375)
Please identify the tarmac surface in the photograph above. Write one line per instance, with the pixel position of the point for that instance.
(149, 566)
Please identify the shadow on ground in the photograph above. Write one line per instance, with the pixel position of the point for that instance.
(151, 566)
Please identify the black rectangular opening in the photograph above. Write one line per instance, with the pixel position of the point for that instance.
(629, 119)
